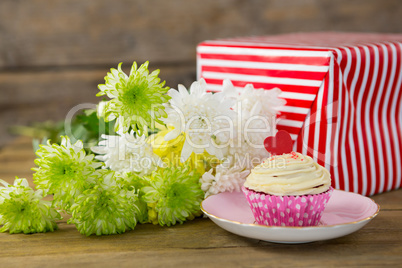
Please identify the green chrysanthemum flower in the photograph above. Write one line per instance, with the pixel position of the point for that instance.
(176, 192)
(107, 208)
(132, 181)
(136, 100)
(64, 170)
(22, 210)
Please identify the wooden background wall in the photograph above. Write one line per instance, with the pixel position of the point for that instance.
(53, 53)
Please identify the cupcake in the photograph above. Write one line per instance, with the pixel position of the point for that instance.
(290, 189)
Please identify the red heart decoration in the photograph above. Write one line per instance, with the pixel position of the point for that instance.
(280, 144)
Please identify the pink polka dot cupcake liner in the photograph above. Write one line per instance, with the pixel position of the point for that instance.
(273, 210)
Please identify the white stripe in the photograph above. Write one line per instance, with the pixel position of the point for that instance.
(398, 176)
(261, 52)
(352, 89)
(290, 123)
(317, 122)
(376, 123)
(286, 95)
(367, 117)
(262, 79)
(329, 107)
(198, 74)
(295, 144)
(338, 124)
(293, 136)
(343, 151)
(384, 120)
(297, 96)
(261, 43)
(306, 130)
(262, 65)
(338, 117)
(339, 56)
(293, 109)
(359, 113)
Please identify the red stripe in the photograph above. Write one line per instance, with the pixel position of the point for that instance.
(298, 103)
(358, 91)
(315, 61)
(343, 63)
(299, 143)
(335, 120)
(388, 136)
(295, 145)
(292, 116)
(266, 72)
(385, 135)
(391, 117)
(373, 186)
(323, 125)
(365, 105)
(345, 171)
(291, 130)
(349, 127)
(341, 169)
(355, 142)
(374, 116)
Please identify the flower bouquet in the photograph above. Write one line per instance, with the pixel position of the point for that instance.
(158, 154)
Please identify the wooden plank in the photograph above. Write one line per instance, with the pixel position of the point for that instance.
(40, 96)
(49, 95)
(21, 143)
(280, 256)
(62, 33)
(203, 243)
(75, 85)
(17, 159)
(17, 156)
(199, 233)
(390, 200)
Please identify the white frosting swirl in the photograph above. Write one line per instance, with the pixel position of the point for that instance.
(289, 174)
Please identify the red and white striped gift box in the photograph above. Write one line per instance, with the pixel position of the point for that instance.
(343, 93)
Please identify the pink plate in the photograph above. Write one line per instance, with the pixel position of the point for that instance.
(345, 213)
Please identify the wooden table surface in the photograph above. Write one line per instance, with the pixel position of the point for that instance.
(200, 242)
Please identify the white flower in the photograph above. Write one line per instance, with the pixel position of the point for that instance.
(225, 180)
(256, 120)
(253, 101)
(205, 118)
(126, 153)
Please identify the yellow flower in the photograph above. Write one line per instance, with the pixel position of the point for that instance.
(166, 149)
(152, 214)
(170, 151)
